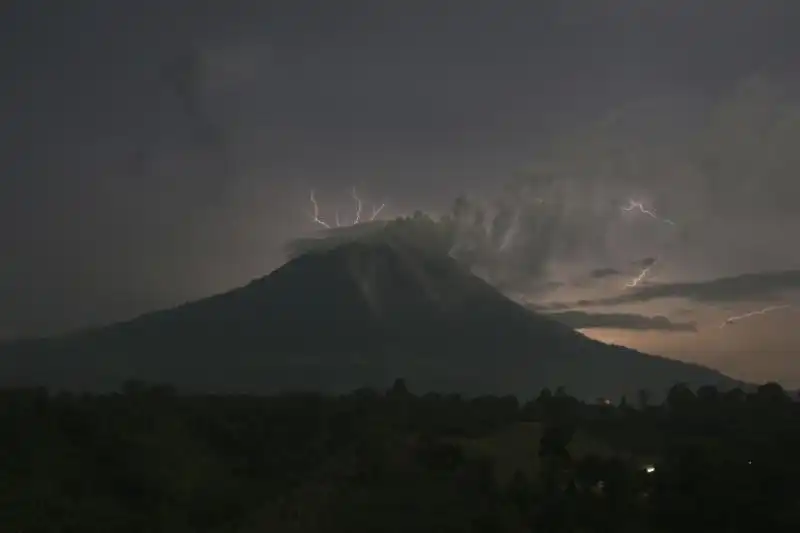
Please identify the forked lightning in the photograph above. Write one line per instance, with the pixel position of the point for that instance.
(377, 211)
(359, 207)
(633, 204)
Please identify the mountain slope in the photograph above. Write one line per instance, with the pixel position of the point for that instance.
(360, 314)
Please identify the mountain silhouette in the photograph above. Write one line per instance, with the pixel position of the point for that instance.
(359, 314)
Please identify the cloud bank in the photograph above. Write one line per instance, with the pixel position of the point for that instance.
(600, 273)
(583, 320)
(751, 286)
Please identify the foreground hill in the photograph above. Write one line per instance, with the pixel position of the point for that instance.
(360, 314)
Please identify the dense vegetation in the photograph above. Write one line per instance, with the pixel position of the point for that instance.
(149, 459)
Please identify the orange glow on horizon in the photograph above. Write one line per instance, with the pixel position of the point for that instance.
(652, 342)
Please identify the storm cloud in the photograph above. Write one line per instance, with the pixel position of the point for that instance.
(646, 262)
(600, 273)
(751, 286)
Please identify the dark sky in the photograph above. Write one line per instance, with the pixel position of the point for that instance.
(155, 151)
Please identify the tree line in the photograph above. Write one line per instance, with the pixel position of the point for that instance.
(151, 459)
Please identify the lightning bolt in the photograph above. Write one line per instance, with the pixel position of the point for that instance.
(764, 311)
(358, 207)
(376, 212)
(652, 214)
(315, 216)
(638, 279)
(638, 205)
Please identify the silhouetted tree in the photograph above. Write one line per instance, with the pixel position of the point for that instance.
(708, 394)
(399, 388)
(771, 394)
(680, 397)
(623, 403)
(644, 399)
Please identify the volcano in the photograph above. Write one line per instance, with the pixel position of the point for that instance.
(359, 314)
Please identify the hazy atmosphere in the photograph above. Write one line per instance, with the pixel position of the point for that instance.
(637, 161)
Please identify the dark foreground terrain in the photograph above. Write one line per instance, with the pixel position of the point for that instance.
(151, 460)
